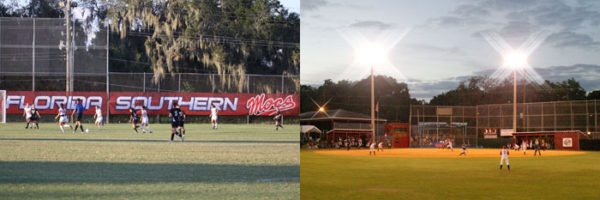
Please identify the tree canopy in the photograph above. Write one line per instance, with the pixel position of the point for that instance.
(167, 37)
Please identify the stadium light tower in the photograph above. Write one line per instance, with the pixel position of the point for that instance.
(515, 60)
(372, 54)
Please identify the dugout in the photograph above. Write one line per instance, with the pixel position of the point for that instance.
(560, 140)
(339, 123)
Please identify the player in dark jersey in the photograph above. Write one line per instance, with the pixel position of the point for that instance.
(278, 120)
(35, 116)
(134, 119)
(77, 115)
(177, 121)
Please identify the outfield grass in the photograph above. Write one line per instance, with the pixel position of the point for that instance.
(234, 162)
(324, 176)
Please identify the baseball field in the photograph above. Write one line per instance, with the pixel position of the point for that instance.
(443, 174)
(234, 162)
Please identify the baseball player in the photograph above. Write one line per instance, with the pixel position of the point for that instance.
(504, 157)
(372, 148)
(464, 150)
(524, 146)
(536, 147)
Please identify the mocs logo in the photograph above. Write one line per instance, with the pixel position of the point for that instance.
(261, 105)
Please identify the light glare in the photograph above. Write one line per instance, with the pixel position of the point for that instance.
(515, 60)
(371, 54)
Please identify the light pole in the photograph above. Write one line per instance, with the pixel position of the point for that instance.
(515, 60)
(372, 54)
(373, 128)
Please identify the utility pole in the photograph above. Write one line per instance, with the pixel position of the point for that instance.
(69, 72)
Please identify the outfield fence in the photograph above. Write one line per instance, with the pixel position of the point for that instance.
(427, 120)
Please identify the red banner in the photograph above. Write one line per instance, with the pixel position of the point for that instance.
(157, 102)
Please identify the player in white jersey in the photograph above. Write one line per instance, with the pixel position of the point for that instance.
(98, 117)
(372, 148)
(214, 111)
(27, 115)
(63, 119)
(504, 157)
(145, 121)
(524, 146)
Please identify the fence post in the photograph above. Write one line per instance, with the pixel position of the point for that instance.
(144, 83)
(282, 80)
(179, 83)
(33, 59)
(107, 77)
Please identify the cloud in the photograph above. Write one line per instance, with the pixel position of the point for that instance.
(310, 5)
(586, 74)
(571, 39)
(515, 20)
(369, 24)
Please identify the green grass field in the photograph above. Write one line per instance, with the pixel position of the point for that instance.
(353, 177)
(234, 162)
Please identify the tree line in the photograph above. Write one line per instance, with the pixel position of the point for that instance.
(394, 97)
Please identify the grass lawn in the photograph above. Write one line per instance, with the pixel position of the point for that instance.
(325, 176)
(234, 162)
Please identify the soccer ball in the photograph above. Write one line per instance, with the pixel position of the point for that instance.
(87, 130)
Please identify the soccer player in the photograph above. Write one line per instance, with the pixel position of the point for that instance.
(504, 157)
(27, 115)
(380, 145)
(145, 121)
(98, 117)
(134, 119)
(450, 145)
(63, 119)
(214, 116)
(177, 121)
(35, 116)
(78, 113)
(278, 120)
(464, 150)
(372, 148)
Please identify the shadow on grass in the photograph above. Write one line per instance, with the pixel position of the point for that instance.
(149, 140)
(100, 172)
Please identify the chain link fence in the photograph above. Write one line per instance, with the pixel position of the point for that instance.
(438, 121)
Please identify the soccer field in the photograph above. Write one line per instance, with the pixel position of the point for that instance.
(328, 175)
(234, 162)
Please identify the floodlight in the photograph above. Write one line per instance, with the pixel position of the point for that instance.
(515, 60)
(371, 54)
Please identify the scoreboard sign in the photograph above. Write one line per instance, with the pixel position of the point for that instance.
(157, 102)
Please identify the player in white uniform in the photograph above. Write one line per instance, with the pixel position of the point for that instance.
(98, 117)
(504, 157)
(372, 148)
(214, 111)
(145, 121)
(524, 146)
(450, 145)
(63, 119)
(27, 115)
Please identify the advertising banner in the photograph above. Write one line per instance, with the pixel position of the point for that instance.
(231, 104)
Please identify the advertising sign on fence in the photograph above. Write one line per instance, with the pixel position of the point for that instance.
(157, 102)
(506, 132)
